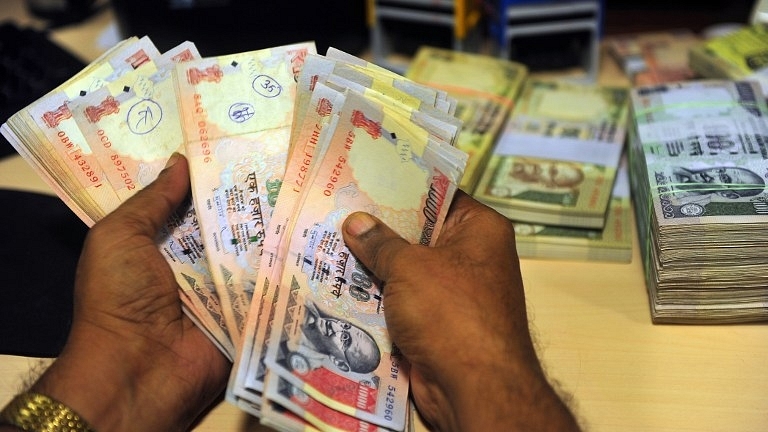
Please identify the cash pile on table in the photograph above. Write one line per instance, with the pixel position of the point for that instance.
(698, 154)
(555, 163)
(485, 89)
(738, 55)
(612, 243)
(556, 159)
(653, 57)
(283, 144)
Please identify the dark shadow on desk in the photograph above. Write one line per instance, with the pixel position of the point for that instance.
(40, 246)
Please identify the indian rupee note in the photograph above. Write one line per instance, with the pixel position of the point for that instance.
(485, 89)
(237, 112)
(49, 138)
(250, 371)
(329, 338)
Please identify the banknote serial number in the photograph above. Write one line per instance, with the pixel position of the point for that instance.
(124, 174)
(85, 167)
(334, 177)
(79, 159)
(116, 161)
(389, 402)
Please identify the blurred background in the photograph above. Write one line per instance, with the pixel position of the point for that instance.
(225, 26)
(542, 34)
(44, 42)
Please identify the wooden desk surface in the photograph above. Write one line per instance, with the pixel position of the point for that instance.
(591, 322)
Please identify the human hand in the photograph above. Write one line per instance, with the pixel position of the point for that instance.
(457, 312)
(133, 360)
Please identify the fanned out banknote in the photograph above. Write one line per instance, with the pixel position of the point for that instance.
(282, 145)
(699, 154)
(486, 89)
(287, 396)
(249, 371)
(555, 162)
(48, 137)
(329, 332)
(103, 135)
(738, 55)
(317, 329)
(236, 112)
(132, 126)
(612, 243)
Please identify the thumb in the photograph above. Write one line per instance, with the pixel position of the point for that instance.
(373, 243)
(149, 209)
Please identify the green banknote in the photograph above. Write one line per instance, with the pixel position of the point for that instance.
(556, 160)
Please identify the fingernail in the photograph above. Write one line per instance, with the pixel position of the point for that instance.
(358, 224)
(172, 160)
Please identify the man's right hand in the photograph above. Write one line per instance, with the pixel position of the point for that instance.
(457, 312)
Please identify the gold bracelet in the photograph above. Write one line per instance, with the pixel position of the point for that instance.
(39, 413)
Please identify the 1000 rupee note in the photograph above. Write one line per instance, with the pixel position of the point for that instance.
(181, 243)
(385, 86)
(50, 140)
(317, 70)
(132, 125)
(436, 97)
(321, 416)
(250, 370)
(280, 418)
(375, 165)
(179, 240)
(237, 112)
(441, 126)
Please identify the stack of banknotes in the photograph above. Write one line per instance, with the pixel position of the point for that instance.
(556, 159)
(283, 144)
(485, 88)
(699, 157)
(488, 90)
(738, 55)
(653, 57)
(611, 243)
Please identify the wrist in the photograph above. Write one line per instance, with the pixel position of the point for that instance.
(515, 395)
(32, 411)
(93, 381)
(115, 382)
(504, 389)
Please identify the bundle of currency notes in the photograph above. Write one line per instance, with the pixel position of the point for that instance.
(653, 57)
(699, 157)
(486, 89)
(556, 160)
(738, 55)
(103, 135)
(283, 144)
(612, 243)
